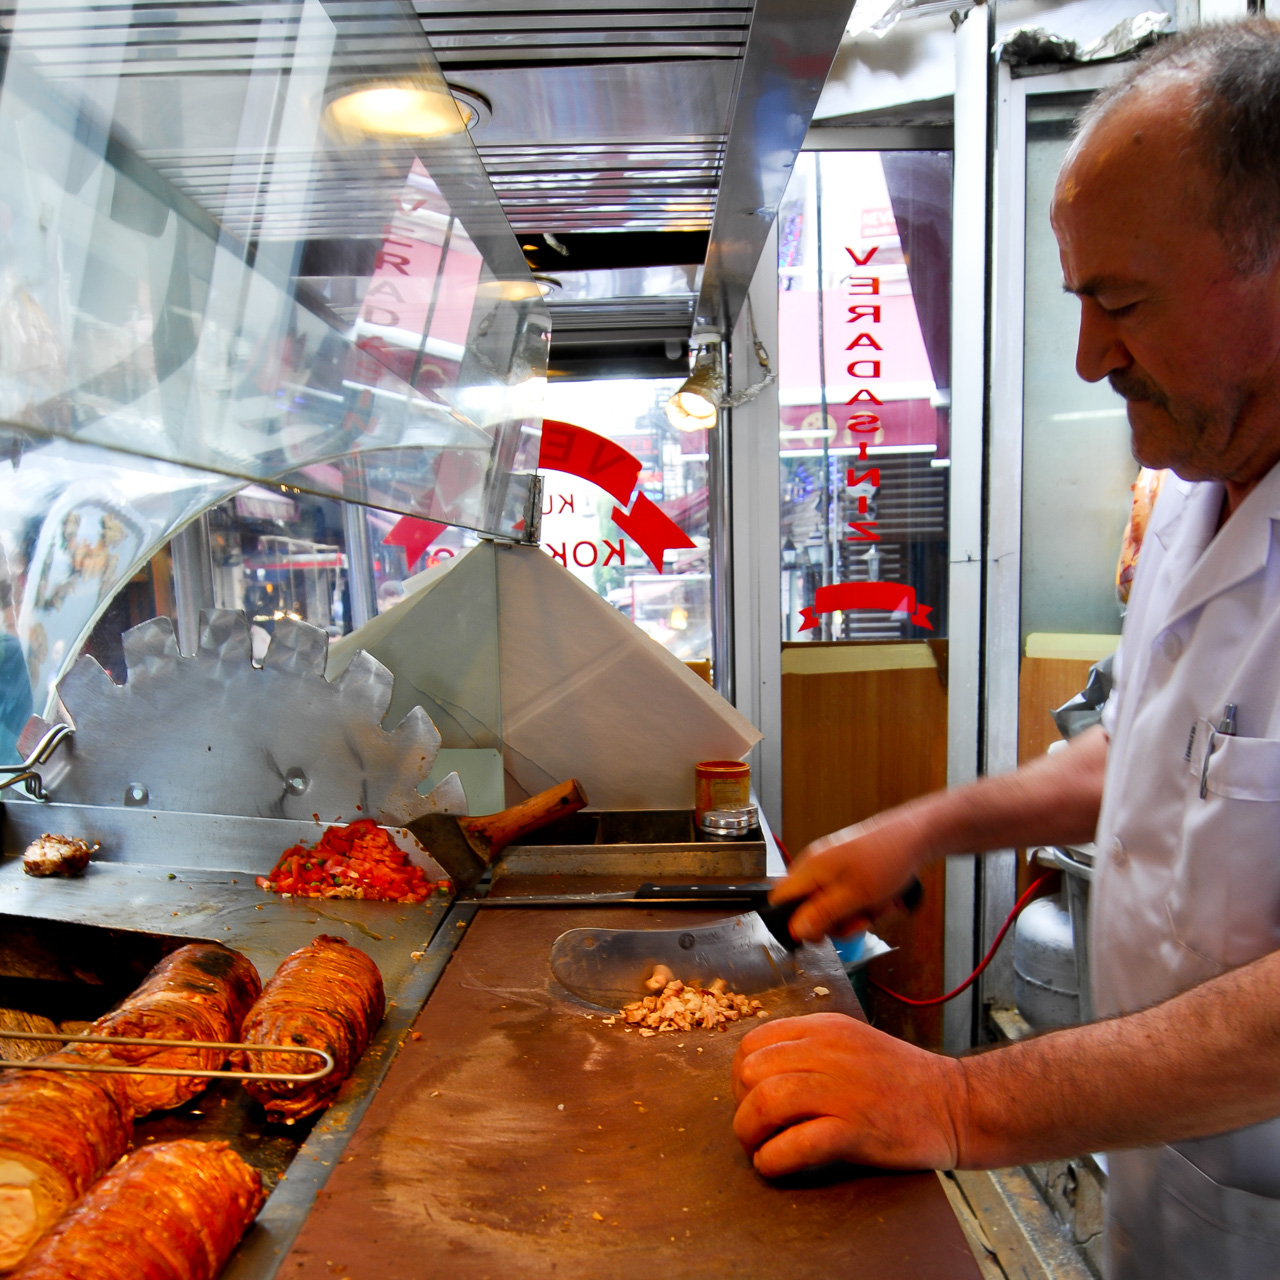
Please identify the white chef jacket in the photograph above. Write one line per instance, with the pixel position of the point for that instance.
(1187, 887)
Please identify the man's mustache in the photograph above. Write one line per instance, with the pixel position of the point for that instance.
(1134, 387)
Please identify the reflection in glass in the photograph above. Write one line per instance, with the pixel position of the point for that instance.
(197, 267)
(1076, 464)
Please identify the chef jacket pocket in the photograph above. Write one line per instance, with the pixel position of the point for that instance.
(1245, 768)
(1208, 1229)
(1224, 905)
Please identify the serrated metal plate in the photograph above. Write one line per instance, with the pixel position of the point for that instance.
(214, 734)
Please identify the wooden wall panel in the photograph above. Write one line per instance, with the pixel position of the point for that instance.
(1043, 684)
(854, 743)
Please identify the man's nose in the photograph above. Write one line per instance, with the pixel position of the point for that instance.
(1099, 350)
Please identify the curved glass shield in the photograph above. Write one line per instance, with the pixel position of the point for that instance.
(257, 240)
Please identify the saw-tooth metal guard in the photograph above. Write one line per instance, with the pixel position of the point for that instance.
(35, 1064)
(213, 733)
(28, 772)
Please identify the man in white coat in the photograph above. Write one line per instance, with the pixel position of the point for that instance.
(1167, 213)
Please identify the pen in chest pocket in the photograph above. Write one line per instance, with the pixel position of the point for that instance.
(1225, 728)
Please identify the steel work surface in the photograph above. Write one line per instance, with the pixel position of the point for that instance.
(498, 1137)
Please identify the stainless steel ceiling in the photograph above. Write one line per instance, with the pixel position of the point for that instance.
(632, 142)
(467, 33)
(608, 119)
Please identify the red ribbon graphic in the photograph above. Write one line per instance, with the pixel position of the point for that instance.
(414, 535)
(582, 453)
(896, 597)
(651, 529)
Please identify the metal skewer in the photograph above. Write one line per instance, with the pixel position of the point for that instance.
(36, 1064)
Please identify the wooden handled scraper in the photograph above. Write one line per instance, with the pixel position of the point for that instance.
(465, 847)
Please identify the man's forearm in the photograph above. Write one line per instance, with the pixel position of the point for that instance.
(1052, 800)
(1201, 1063)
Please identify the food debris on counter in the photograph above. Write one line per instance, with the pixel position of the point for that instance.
(821, 991)
(678, 1007)
(51, 855)
(356, 861)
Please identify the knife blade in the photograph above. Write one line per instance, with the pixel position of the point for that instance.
(609, 967)
(775, 917)
(689, 896)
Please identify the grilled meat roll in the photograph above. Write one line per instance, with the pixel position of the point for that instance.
(59, 1132)
(24, 1050)
(328, 995)
(174, 1211)
(200, 992)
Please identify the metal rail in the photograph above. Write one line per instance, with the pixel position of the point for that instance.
(36, 1064)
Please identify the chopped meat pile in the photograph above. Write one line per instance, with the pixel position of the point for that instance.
(680, 1008)
(356, 861)
(52, 855)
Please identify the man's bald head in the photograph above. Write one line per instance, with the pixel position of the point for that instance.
(1231, 80)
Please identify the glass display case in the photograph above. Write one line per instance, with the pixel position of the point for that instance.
(243, 247)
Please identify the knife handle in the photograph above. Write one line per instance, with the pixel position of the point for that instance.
(490, 834)
(777, 919)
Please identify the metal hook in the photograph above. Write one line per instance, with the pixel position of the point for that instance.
(28, 772)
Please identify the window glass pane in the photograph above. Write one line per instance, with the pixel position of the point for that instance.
(864, 307)
(864, 271)
(1076, 464)
(654, 565)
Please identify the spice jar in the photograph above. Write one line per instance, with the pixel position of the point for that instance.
(720, 784)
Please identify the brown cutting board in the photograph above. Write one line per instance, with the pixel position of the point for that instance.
(521, 1138)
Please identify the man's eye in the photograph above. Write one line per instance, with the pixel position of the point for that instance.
(1118, 313)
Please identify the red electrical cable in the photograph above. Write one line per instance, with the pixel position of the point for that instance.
(986, 960)
(782, 849)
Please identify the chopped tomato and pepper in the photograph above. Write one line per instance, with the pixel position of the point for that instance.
(356, 861)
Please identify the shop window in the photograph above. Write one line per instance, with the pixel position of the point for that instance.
(864, 298)
(864, 348)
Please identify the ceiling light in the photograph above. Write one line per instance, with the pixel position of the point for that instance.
(400, 109)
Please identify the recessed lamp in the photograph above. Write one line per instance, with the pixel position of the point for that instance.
(401, 109)
(512, 290)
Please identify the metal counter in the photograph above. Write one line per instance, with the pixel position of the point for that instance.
(163, 896)
(521, 1135)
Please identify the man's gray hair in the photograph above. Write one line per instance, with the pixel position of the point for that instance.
(1235, 125)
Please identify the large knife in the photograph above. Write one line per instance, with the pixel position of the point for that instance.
(465, 847)
(610, 967)
(754, 896)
